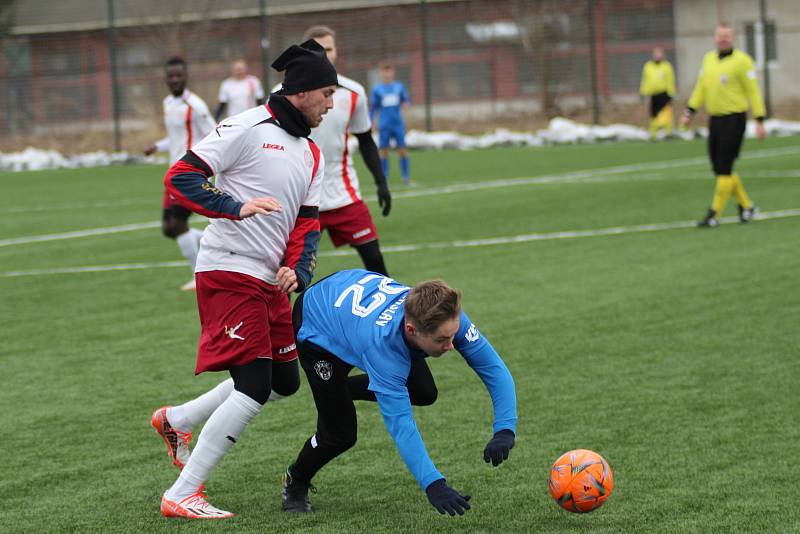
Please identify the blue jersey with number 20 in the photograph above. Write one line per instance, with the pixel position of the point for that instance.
(357, 315)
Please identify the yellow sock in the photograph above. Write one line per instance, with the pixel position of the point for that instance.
(739, 192)
(667, 119)
(722, 193)
(653, 127)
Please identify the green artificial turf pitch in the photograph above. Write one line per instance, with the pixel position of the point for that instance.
(673, 352)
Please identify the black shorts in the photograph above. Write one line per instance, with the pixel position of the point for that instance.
(725, 136)
(176, 211)
(658, 102)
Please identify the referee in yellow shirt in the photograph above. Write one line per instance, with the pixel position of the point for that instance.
(726, 84)
(658, 83)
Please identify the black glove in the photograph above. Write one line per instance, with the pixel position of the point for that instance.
(497, 449)
(384, 198)
(445, 499)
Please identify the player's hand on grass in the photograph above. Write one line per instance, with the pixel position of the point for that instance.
(262, 205)
(445, 499)
(287, 279)
(499, 447)
(384, 199)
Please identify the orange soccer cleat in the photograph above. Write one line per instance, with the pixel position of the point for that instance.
(193, 507)
(176, 440)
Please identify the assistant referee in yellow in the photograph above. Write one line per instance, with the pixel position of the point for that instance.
(727, 84)
(658, 83)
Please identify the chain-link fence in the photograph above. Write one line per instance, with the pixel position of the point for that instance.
(88, 74)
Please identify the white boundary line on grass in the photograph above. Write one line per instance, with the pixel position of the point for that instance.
(575, 176)
(79, 233)
(586, 175)
(523, 238)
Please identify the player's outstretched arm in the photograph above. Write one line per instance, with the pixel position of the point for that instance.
(372, 159)
(487, 364)
(399, 421)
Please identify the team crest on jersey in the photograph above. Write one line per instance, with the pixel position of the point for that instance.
(472, 334)
(324, 369)
(724, 79)
(309, 158)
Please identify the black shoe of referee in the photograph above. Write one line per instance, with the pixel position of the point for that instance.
(710, 220)
(295, 494)
(747, 214)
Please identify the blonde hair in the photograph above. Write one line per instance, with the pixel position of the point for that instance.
(431, 303)
(318, 31)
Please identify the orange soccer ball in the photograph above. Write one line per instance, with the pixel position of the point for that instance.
(580, 481)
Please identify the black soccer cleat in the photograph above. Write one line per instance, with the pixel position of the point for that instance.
(710, 220)
(295, 494)
(747, 214)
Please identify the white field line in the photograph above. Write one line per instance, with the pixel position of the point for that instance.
(505, 240)
(576, 177)
(78, 233)
(589, 175)
(141, 201)
(593, 175)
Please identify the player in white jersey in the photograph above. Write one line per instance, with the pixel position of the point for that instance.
(187, 120)
(240, 92)
(251, 256)
(342, 212)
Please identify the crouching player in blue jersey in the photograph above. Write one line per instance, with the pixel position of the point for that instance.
(361, 319)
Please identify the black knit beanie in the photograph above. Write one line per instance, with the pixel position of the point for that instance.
(307, 68)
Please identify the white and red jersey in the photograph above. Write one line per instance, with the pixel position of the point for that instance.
(187, 120)
(252, 156)
(240, 95)
(350, 114)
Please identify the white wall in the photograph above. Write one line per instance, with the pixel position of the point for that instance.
(694, 36)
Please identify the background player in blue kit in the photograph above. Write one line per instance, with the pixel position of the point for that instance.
(387, 101)
(357, 318)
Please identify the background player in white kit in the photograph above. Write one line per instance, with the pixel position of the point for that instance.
(239, 93)
(342, 212)
(187, 120)
(246, 266)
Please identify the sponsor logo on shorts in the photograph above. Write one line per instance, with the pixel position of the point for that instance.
(286, 350)
(362, 233)
(324, 369)
(231, 332)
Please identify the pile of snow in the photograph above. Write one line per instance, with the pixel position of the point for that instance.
(565, 131)
(34, 159)
(559, 131)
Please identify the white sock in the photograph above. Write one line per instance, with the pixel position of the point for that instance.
(189, 243)
(219, 434)
(189, 414)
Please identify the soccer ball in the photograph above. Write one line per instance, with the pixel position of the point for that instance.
(580, 481)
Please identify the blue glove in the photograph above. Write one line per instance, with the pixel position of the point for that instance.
(498, 447)
(446, 499)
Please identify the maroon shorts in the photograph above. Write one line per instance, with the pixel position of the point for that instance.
(168, 200)
(349, 225)
(242, 318)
